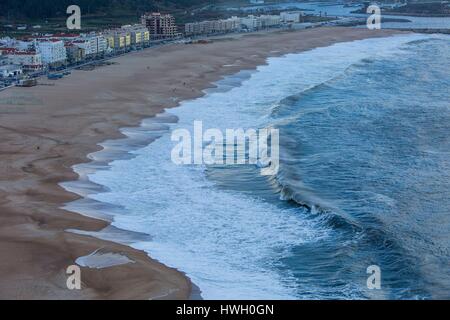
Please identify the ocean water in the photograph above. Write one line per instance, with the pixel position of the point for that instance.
(364, 178)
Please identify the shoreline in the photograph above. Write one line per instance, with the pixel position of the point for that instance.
(38, 155)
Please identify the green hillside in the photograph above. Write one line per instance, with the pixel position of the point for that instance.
(47, 9)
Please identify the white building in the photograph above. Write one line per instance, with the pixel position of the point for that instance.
(251, 22)
(92, 43)
(29, 60)
(52, 51)
(88, 44)
(291, 17)
(232, 24)
(138, 32)
(102, 44)
(268, 21)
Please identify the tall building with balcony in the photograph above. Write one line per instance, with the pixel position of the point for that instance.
(93, 44)
(74, 53)
(30, 60)
(139, 34)
(118, 39)
(52, 51)
(268, 21)
(212, 27)
(251, 23)
(161, 26)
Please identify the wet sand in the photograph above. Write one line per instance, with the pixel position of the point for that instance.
(46, 130)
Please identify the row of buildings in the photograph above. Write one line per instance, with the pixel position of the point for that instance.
(213, 26)
(249, 23)
(50, 51)
(40, 52)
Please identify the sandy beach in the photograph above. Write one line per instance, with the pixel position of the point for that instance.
(47, 129)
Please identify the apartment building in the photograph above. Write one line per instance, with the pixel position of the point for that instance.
(268, 21)
(251, 23)
(214, 26)
(92, 44)
(291, 17)
(139, 34)
(117, 39)
(29, 60)
(89, 48)
(109, 36)
(102, 44)
(120, 40)
(53, 51)
(160, 26)
(74, 53)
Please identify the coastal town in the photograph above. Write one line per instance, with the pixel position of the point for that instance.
(29, 53)
(25, 60)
